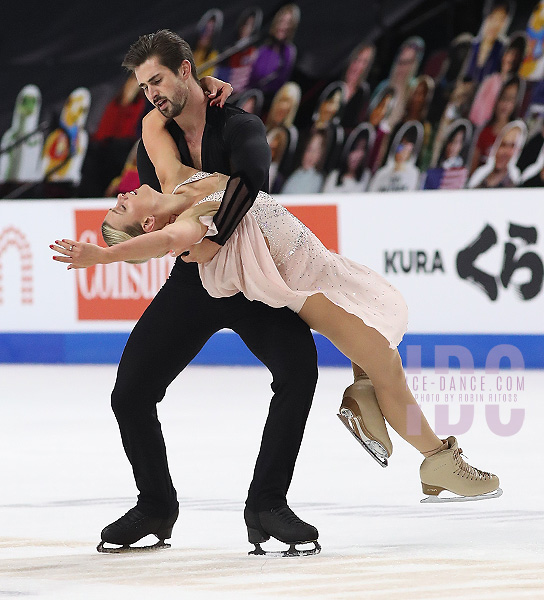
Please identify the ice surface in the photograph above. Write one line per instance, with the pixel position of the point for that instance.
(63, 476)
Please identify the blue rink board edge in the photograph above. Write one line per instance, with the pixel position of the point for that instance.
(226, 348)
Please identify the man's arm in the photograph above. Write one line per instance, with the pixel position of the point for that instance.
(249, 155)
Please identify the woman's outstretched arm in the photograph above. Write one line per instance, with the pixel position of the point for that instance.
(175, 238)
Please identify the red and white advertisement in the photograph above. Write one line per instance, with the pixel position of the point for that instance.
(118, 291)
(466, 261)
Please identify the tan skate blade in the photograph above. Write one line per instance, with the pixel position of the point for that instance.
(381, 461)
(435, 499)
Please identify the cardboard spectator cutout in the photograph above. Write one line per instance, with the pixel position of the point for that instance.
(284, 106)
(488, 91)
(458, 54)
(400, 172)
(534, 114)
(236, 69)
(458, 51)
(278, 140)
(532, 67)
(128, 179)
(251, 101)
(352, 174)
(450, 171)
(327, 117)
(109, 146)
(488, 46)
(458, 107)
(23, 161)
(205, 47)
(533, 174)
(504, 111)
(65, 147)
(308, 177)
(357, 90)
(281, 115)
(277, 55)
(419, 97)
(403, 70)
(329, 106)
(500, 170)
(381, 106)
(532, 151)
(436, 65)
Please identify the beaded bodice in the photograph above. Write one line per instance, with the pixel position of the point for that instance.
(284, 232)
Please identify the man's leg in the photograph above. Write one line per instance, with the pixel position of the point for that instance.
(167, 337)
(284, 343)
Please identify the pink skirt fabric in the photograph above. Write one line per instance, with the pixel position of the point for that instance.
(292, 270)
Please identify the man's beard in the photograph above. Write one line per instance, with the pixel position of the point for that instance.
(174, 106)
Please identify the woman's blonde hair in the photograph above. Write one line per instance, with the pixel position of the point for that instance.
(115, 236)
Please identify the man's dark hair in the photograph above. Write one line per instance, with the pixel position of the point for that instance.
(167, 46)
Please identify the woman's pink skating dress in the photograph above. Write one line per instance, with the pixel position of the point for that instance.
(297, 266)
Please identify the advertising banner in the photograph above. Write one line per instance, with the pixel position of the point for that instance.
(469, 264)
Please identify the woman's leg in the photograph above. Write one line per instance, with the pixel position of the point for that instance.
(367, 348)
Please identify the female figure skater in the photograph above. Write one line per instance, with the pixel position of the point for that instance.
(272, 257)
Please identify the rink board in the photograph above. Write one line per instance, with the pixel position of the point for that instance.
(469, 264)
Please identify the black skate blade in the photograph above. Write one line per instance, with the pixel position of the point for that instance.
(442, 499)
(291, 551)
(160, 545)
(381, 461)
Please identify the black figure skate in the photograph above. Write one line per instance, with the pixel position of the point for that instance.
(280, 523)
(134, 526)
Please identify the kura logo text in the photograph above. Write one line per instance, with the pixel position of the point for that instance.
(413, 261)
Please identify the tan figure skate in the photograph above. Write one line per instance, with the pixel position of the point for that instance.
(361, 414)
(446, 471)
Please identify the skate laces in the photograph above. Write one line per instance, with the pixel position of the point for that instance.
(287, 515)
(132, 516)
(466, 470)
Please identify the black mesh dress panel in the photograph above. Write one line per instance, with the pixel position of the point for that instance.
(237, 200)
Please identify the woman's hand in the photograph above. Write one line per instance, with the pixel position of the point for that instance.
(216, 90)
(202, 252)
(79, 255)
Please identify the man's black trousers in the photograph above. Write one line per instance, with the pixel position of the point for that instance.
(170, 333)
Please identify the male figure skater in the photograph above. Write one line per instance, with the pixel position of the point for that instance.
(182, 317)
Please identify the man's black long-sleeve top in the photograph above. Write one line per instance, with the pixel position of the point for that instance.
(233, 143)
